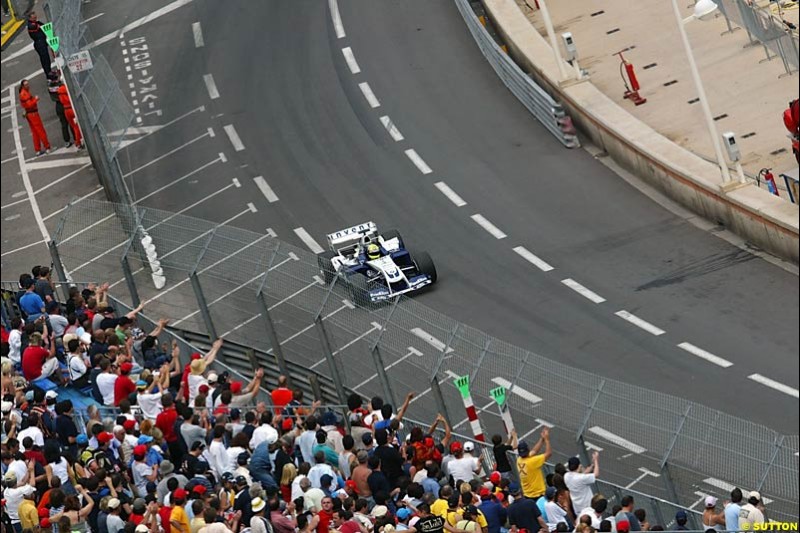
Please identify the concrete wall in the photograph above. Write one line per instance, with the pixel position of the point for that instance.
(762, 219)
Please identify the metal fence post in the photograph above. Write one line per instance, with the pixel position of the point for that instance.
(126, 267)
(665, 475)
(480, 360)
(59, 266)
(277, 351)
(377, 359)
(579, 435)
(436, 389)
(778, 446)
(202, 304)
(328, 351)
(316, 390)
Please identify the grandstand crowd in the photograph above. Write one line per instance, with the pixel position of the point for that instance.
(106, 431)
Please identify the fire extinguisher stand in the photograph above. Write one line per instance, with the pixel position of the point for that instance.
(632, 90)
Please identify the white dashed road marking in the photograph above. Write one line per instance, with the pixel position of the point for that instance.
(391, 128)
(522, 393)
(636, 321)
(308, 240)
(55, 163)
(430, 339)
(533, 259)
(450, 193)
(234, 137)
(366, 90)
(198, 35)
(708, 356)
(351, 60)
(771, 383)
(616, 439)
(418, 161)
(213, 93)
(493, 230)
(337, 19)
(583, 291)
(266, 190)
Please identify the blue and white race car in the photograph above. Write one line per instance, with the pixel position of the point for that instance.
(375, 266)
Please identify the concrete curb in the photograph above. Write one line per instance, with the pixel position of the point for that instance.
(762, 219)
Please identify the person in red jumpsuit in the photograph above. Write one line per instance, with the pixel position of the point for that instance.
(30, 104)
(69, 113)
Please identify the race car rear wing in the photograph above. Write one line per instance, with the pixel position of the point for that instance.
(352, 234)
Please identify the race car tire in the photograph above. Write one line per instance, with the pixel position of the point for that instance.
(425, 265)
(359, 290)
(391, 234)
(326, 266)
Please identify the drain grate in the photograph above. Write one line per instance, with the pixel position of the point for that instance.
(651, 65)
(597, 13)
(748, 135)
(673, 82)
(778, 151)
(720, 117)
(615, 30)
(693, 101)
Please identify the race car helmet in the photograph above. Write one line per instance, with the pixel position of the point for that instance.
(373, 251)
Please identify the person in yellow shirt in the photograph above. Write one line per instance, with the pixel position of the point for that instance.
(28, 514)
(439, 507)
(530, 463)
(178, 518)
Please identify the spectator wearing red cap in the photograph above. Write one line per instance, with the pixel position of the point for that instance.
(462, 468)
(282, 395)
(244, 397)
(178, 519)
(123, 386)
(142, 473)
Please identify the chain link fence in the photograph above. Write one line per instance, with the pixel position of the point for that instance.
(777, 38)
(268, 295)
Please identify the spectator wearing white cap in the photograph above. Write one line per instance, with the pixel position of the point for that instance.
(114, 521)
(752, 512)
(713, 519)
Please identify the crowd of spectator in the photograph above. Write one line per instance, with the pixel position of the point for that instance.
(171, 448)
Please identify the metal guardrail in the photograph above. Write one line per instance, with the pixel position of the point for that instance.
(263, 293)
(764, 29)
(540, 104)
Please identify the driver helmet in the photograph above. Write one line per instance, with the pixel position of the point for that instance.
(373, 251)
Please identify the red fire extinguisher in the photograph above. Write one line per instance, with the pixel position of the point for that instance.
(769, 178)
(632, 90)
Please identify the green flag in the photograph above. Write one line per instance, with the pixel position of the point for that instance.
(498, 395)
(53, 42)
(48, 30)
(462, 384)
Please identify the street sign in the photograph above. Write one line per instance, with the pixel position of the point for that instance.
(48, 30)
(53, 42)
(80, 62)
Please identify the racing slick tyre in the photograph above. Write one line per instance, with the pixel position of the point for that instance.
(391, 234)
(425, 265)
(326, 266)
(359, 291)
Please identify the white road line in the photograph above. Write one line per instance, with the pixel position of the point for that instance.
(308, 240)
(645, 472)
(727, 487)
(366, 90)
(266, 190)
(708, 356)
(391, 128)
(493, 230)
(418, 161)
(271, 232)
(519, 391)
(450, 193)
(211, 86)
(411, 351)
(206, 269)
(164, 155)
(295, 293)
(583, 291)
(539, 424)
(351, 60)
(771, 383)
(12, 204)
(702, 495)
(616, 439)
(375, 326)
(252, 207)
(197, 31)
(31, 245)
(234, 137)
(141, 22)
(10, 159)
(24, 171)
(337, 19)
(533, 259)
(345, 305)
(430, 339)
(636, 321)
(590, 446)
(55, 163)
(84, 197)
(92, 18)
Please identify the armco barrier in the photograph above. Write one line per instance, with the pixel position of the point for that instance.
(762, 219)
(540, 104)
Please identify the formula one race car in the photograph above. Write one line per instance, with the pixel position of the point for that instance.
(376, 267)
